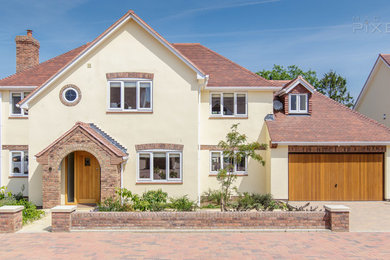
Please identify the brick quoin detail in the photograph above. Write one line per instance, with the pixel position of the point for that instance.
(137, 75)
(177, 147)
(77, 140)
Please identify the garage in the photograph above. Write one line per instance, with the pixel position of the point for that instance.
(335, 176)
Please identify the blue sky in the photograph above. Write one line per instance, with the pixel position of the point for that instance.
(345, 36)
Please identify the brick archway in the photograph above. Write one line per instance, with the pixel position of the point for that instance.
(81, 137)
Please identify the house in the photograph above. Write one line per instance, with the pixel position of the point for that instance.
(373, 99)
(130, 109)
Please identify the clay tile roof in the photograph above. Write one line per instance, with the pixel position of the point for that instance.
(330, 121)
(40, 73)
(222, 71)
(280, 83)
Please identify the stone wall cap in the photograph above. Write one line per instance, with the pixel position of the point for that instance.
(11, 209)
(63, 209)
(336, 208)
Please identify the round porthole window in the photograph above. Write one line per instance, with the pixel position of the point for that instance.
(70, 95)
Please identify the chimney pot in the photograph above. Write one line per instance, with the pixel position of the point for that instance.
(29, 33)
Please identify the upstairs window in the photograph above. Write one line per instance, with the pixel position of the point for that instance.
(228, 104)
(130, 95)
(15, 98)
(298, 103)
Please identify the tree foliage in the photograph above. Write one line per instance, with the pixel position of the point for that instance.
(331, 84)
(235, 149)
(335, 87)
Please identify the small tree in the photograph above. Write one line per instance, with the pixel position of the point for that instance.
(335, 86)
(235, 149)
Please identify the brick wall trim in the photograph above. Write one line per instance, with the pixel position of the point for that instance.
(162, 146)
(137, 75)
(337, 149)
(15, 147)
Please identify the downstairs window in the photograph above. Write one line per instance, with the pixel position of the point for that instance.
(159, 166)
(218, 161)
(19, 163)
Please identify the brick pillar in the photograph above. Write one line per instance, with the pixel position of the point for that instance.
(338, 217)
(61, 218)
(11, 219)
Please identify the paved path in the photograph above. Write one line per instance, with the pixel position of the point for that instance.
(364, 216)
(125, 245)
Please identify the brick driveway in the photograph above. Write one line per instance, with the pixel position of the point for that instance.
(124, 245)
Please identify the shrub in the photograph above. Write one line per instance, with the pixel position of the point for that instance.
(113, 204)
(182, 204)
(213, 196)
(30, 211)
(154, 200)
(249, 201)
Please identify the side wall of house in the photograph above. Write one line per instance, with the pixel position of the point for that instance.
(214, 130)
(13, 132)
(173, 121)
(374, 103)
(279, 172)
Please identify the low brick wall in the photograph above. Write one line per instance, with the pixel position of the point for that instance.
(199, 220)
(11, 219)
(73, 220)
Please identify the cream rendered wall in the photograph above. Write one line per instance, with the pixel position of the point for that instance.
(174, 117)
(13, 132)
(375, 102)
(214, 130)
(279, 172)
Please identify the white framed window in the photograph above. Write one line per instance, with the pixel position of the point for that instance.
(15, 98)
(229, 104)
(130, 95)
(159, 166)
(218, 161)
(18, 163)
(298, 103)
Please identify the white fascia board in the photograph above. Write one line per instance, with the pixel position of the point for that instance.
(283, 91)
(335, 143)
(18, 87)
(93, 46)
(246, 88)
(364, 89)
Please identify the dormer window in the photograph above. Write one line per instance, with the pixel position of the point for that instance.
(298, 104)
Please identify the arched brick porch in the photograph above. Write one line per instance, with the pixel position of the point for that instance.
(82, 137)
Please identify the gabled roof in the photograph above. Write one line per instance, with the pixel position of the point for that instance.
(222, 71)
(129, 15)
(97, 134)
(385, 58)
(40, 73)
(295, 82)
(329, 123)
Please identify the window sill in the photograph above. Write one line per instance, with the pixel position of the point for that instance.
(228, 117)
(17, 176)
(18, 117)
(130, 112)
(158, 182)
(237, 174)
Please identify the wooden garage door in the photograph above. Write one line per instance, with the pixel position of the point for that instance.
(335, 177)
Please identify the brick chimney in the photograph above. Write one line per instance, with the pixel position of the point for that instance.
(27, 51)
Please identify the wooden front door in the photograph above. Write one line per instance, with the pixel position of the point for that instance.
(321, 177)
(86, 179)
